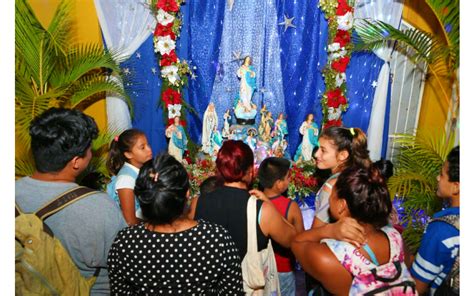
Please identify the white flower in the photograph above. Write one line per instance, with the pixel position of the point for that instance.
(164, 44)
(334, 113)
(334, 47)
(338, 54)
(345, 22)
(170, 73)
(174, 110)
(163, 17)
(340, 79)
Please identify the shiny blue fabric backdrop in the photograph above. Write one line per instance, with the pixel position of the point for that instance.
(211, 37)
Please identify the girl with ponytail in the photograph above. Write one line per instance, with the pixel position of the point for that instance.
(128, 152)
(339, 148)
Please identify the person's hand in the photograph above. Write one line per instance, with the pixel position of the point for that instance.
(259, 194)
(349, 230)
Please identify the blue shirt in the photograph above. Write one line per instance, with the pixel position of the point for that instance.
(438, 250)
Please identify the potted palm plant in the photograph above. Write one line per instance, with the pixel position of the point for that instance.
(52, 71)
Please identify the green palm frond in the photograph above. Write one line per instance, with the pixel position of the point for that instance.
(50, 71)
(417, 45)
(447, 12)
(89, 88)
(24, 166)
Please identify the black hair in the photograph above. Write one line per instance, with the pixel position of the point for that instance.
(209, 185)
(366, 194)
(386, 168)
(353, 140)
(271, 170)
(161, 188)
(453, 164)
(58, 135)
(119, 145)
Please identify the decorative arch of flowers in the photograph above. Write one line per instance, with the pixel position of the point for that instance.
(174, 71)
(340, 16)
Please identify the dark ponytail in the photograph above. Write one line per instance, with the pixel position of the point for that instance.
(353, 140)
(366, 195)
(119, 145)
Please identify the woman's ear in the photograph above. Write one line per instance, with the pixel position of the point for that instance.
(342, 156)
(455, 188)
(342, 208)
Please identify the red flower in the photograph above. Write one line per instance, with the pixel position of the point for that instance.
(171, 96)
(343, 7)
(336, 122)
(161, 30)
(342, 100)
(334, 98)
(168, 59)
(181, 122)
(167, 5)
(340, 65)
(342, 37)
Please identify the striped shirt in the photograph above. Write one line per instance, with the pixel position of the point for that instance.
(438, 250)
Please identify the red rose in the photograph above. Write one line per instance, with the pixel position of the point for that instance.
(343, 7)
(336, 122)
(340, 65)
(342, 37)
(167, 5)
(342, 100)
(171, 96)
(168, 59)
(333, 98)
(161, 30)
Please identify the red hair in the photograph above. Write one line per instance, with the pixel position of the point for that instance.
(234, 160)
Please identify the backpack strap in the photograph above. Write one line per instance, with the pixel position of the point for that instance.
(450, 219)
(63, 201)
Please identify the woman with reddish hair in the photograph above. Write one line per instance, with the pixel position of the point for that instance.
(227, 205)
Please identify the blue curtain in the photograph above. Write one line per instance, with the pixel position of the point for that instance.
(362, 74)
(302, 57)
(143, 84)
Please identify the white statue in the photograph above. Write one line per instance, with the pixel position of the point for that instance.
(209, 124)
(226, 128)
(178, 140)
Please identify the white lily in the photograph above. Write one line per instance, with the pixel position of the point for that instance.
(346, 21)
(170, 73)
(174, 110)
(340, 79)
(163, 17)
(164, 44)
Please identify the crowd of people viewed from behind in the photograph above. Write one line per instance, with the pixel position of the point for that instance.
(148, 236)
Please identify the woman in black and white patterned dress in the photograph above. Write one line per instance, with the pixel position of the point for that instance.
(170, 254)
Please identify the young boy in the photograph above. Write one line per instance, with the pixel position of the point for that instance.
(440, 244)
(273, 175)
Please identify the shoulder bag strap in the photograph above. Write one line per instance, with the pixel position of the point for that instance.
(251, 229)
(63, 201)
(450, 219)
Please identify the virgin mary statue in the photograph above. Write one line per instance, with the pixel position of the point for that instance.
(209, 124)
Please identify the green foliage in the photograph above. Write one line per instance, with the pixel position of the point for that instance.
(419, 46)
(417, 164)
(447, 12)
(52, 71)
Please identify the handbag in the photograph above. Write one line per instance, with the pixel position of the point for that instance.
(259, 270)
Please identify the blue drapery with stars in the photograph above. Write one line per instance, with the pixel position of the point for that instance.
(302, 49)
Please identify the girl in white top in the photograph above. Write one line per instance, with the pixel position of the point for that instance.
(339, 148)
(128, 152)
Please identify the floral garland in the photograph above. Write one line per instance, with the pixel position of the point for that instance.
(340, 15)
(173, 70)
(302, 182)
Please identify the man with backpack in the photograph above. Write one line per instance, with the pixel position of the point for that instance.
(84, 221)
(436, 265)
